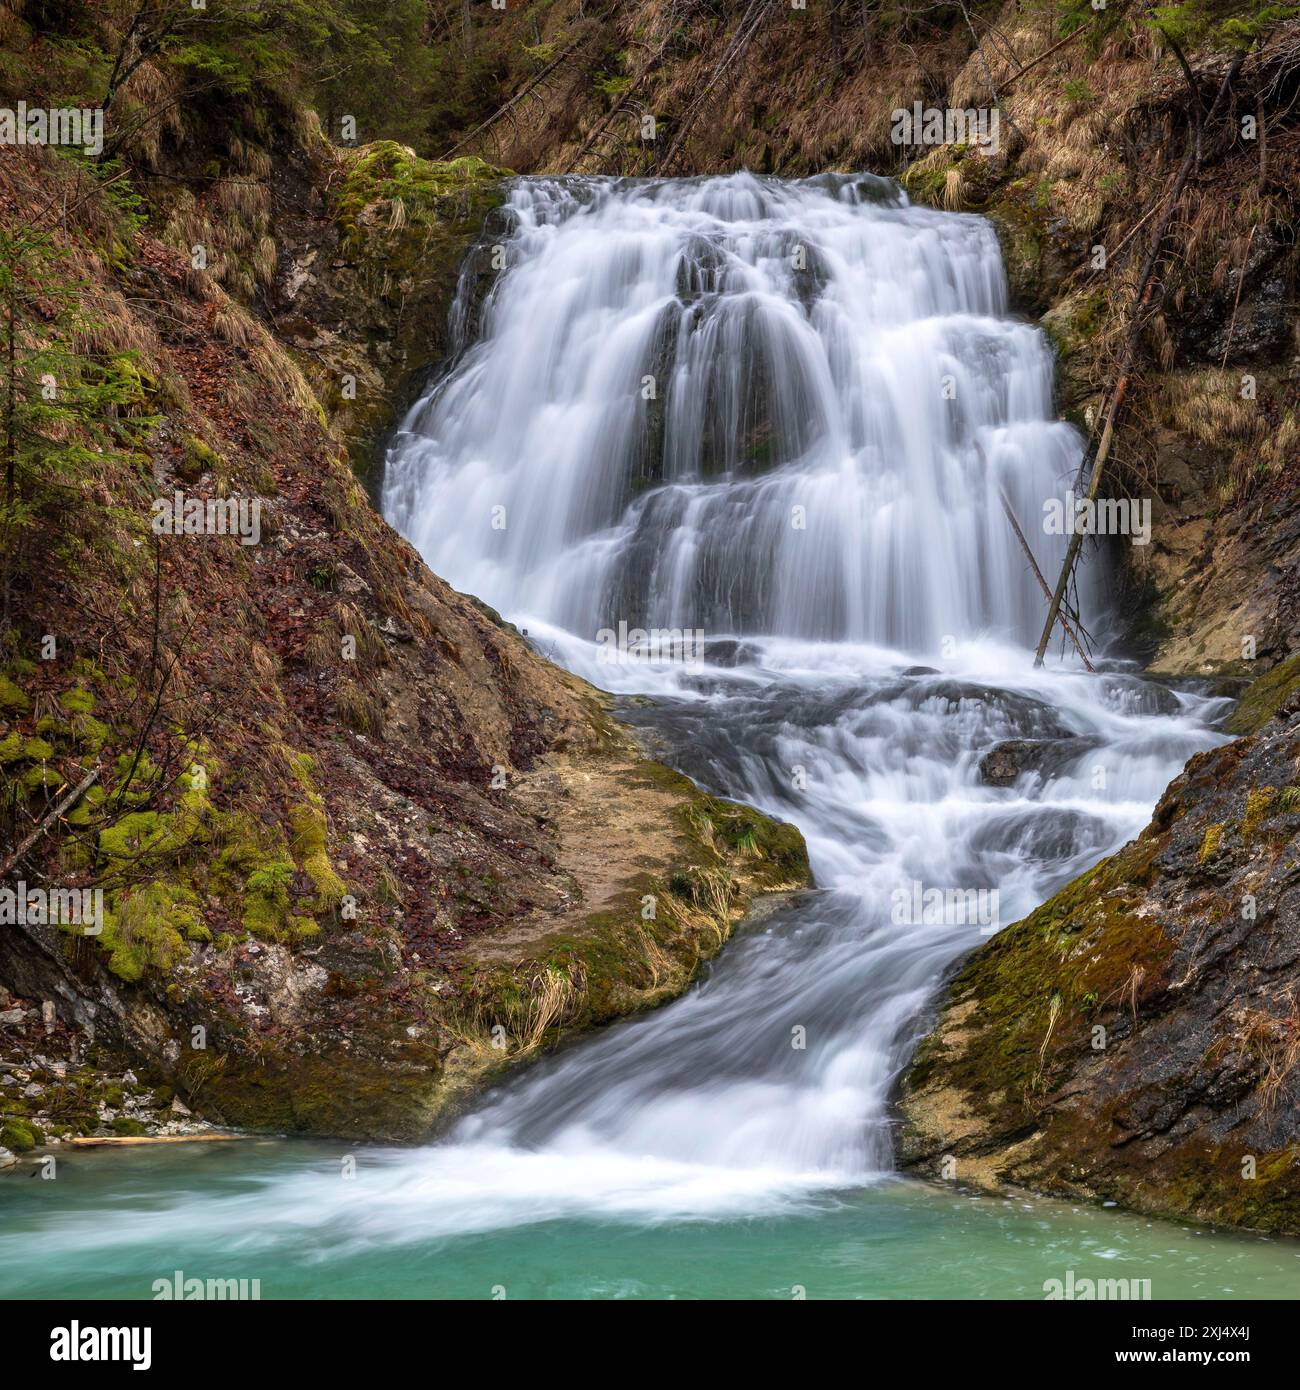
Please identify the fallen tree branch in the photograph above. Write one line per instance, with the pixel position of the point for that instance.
(1236, 303)
(745, 31)
(68, 799)
(518, 96)
(95, 1141)
(1042, 583)
(1042, 57)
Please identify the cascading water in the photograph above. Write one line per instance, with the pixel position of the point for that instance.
(746, 407)
(782, 414)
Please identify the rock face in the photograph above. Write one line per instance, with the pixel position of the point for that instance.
(372, 247)
(1137, 1037)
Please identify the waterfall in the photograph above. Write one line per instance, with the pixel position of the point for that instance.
(781, 415)
(741, 406)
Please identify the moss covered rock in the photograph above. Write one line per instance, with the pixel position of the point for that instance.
(1134, 1037)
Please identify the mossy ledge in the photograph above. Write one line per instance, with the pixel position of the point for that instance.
(1133, 1039)
(1265, 696)
(381, 270)
(708, 865)
(711, 863)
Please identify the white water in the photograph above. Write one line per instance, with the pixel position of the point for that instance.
(886, 393)
(677, 518)
(881, 390)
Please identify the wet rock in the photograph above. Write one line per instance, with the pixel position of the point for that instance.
(7, 1158)
(729, 652)
(348, 581)
(1133, 1038)
(1048, 836)
(390, 627)
(1247, 319)
(1006, 761)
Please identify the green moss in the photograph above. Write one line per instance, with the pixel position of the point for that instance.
(330, 1092)
(1208, 1184)
(143, 926)
(92, 734)
(1259, 807)
(78, 700)
(42, 778)
(131, 837)
(1264, 697)
(198, 458)
(309, 846)
(647, 946)
(1210, 843)
(1035, 985)
(1074, 322)
(266, 898)
(1022, 227)
(726, 828)
(19, 1135)
(137, 778)
(124, 1125)
(12, 699)
(388, 171)
(924, 180)
(11, 748)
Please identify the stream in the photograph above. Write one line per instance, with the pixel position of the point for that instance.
(734, 449)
